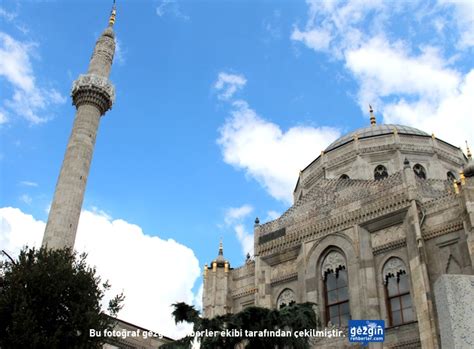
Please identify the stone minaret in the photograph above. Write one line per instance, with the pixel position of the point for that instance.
(93, 95)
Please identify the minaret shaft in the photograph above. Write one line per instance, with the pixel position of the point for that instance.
(69, 194)
(93, 95)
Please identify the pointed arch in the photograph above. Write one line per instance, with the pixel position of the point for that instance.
(453, 266)
(286, 297)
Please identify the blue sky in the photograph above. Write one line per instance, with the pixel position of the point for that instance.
(219, 105)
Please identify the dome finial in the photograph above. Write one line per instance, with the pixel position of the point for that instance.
(468, 151)
(373, 120)
(221, 248)
(113, 13)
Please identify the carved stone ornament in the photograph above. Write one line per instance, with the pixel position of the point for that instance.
(93, 89)
(286, 297)
(333, 261)
(393, 267)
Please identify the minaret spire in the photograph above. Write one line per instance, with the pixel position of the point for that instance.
(113, 13)
(93, 95)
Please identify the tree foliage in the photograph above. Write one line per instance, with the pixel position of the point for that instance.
(294, 317)
(50, 299)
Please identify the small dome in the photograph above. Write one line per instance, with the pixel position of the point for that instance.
(376, 130)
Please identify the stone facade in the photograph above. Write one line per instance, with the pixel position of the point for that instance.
(386, 208)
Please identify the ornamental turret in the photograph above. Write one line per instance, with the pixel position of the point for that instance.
(216, 286)
(92, 95)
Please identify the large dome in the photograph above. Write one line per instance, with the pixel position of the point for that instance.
(375, 130)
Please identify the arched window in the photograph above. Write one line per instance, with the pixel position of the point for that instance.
(419, 171)
(336, 289)
(451, 177)
(344, 176)
(286, 297)
(397, 292)
(380, 172)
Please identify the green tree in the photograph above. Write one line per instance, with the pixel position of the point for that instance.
(51, 299)
(294, 317)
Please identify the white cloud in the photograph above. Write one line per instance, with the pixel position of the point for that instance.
(170, 7)
(272, 215)
(8, 16)
(418, 90)
(451, 118)
(18, 229)
(463, 19)
(3, 117)
(120, 52)
(153, 273)
(267, 153)
(385, 69)
(408, 82)
(235, 214)
(272, 26)
(26, 199)
(332, 26)
(198, 298)
(316, 39)
(29, 183)
(245, 239)
(228, 84)
(27, 100)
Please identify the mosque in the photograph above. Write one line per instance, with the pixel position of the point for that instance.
(382, 227)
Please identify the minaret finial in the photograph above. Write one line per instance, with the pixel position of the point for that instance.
(469, 155)
(112, 15)
(373, 120)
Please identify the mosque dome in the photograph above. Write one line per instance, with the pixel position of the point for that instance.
(378, 151)
(375, 130)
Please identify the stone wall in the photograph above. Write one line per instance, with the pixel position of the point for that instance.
(455, 303)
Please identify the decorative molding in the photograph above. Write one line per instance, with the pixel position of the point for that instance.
(407, 344)
(344, 220)
(393, 267)
(284, 278)
(244, 292)
(283, 255)
(442, 229)
(243, 272)
(285, 298)
(443, 202)
(392, 245)
(93, 89)
(332, 262)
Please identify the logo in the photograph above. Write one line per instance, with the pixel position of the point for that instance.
(366, 331)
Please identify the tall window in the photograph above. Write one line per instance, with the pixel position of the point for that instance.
(419, 171)
(380, 172)
(336, 289)
(397, 289)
